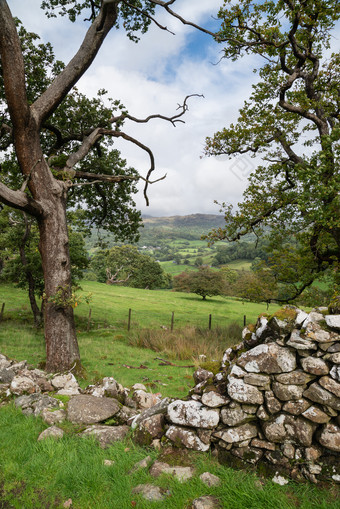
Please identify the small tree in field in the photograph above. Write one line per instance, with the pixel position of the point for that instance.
(204, 282)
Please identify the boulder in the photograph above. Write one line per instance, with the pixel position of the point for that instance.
(272, 403)
(106, 435)
(333, 322)
(320, 395)
(202, 375)
(213, 399)
(268, 358)
(206, 502)
(235, 415)
(287, 427)
(330, 437)
(316, 415)
(149, 492)
(85, 409)
(23, 385)
(193, 414)
(330, 385)
(187, 438)
(287, 392)
(180, 473)
(237, 434)
(52, 432)
(35, 404)
(145, 399)
(315, 366)
(239, 391)
(210, 479)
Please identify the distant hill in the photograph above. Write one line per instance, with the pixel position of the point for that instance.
(198, 223)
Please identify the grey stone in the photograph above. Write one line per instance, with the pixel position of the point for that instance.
(263, 444)
(272, 403)
(22, 385)
(153, 425)
(330, 385)
(206, 502)
(315, 332)
(330, 437)
(202, 375)
(237, 434)
(144, 463)
(318, 394)
(334, 348)
(193, 413)
(287, 427)
(316, 415)
(268, 358)
(315, 366)
(287, 392)
(180, 473)
(159, 408)
(106, 435)
(149, 492)
(297, 377)
(300, 343)
(296, 407)
(85, 409)
(60, 381)
(261, 381)
(51, 417)
(213, 399)
(262, 413)
(334, 357)
(335, 373)
(186, 437)
(210, 479)
(248, 454)
(333, 322)
(244, 393)
(6, 375)
(36, 403)
(52, 432)
(233, 416)
(145, 399)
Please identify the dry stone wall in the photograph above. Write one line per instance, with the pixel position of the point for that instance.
(275, 402)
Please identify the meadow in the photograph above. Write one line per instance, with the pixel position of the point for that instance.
(71, 471)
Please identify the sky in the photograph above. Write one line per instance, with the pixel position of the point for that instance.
(154, 76)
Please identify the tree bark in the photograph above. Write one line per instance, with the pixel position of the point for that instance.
(62, 350)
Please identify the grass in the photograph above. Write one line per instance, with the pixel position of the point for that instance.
(46, 474)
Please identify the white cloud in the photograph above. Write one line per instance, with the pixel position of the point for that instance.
(153, 77)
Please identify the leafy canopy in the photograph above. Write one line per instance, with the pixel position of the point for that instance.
(290, 125)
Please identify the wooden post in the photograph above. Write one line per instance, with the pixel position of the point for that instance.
(2, 311)
(89, 320)
(244, 320)
(129, 320)
(172, 320)
(209, 322)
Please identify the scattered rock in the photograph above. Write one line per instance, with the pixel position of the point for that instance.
(85, 409)
(210, 479)
(149, 492)
(206, 502)
(53, 432)
(106, 435)
(181, 473)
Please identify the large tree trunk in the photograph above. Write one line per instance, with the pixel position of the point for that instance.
(62, 350)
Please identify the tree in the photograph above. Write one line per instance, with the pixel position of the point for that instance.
(125, 265)
(19, 241)
(56, 145)
(291, 121)
(204, 282)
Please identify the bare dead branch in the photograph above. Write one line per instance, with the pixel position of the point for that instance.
(144, 13)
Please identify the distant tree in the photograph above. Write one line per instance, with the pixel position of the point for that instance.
(204, 282)
(126, 266)
(291, 122)
(199, 261)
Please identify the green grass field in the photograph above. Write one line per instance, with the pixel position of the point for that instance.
(104, 348)
(48, 474)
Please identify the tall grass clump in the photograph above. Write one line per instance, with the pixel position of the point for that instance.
(188, 342)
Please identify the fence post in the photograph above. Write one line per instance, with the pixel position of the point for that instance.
(172, 320)
(209, 322)
(89, 320)
(244, 320)
(129, 320)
